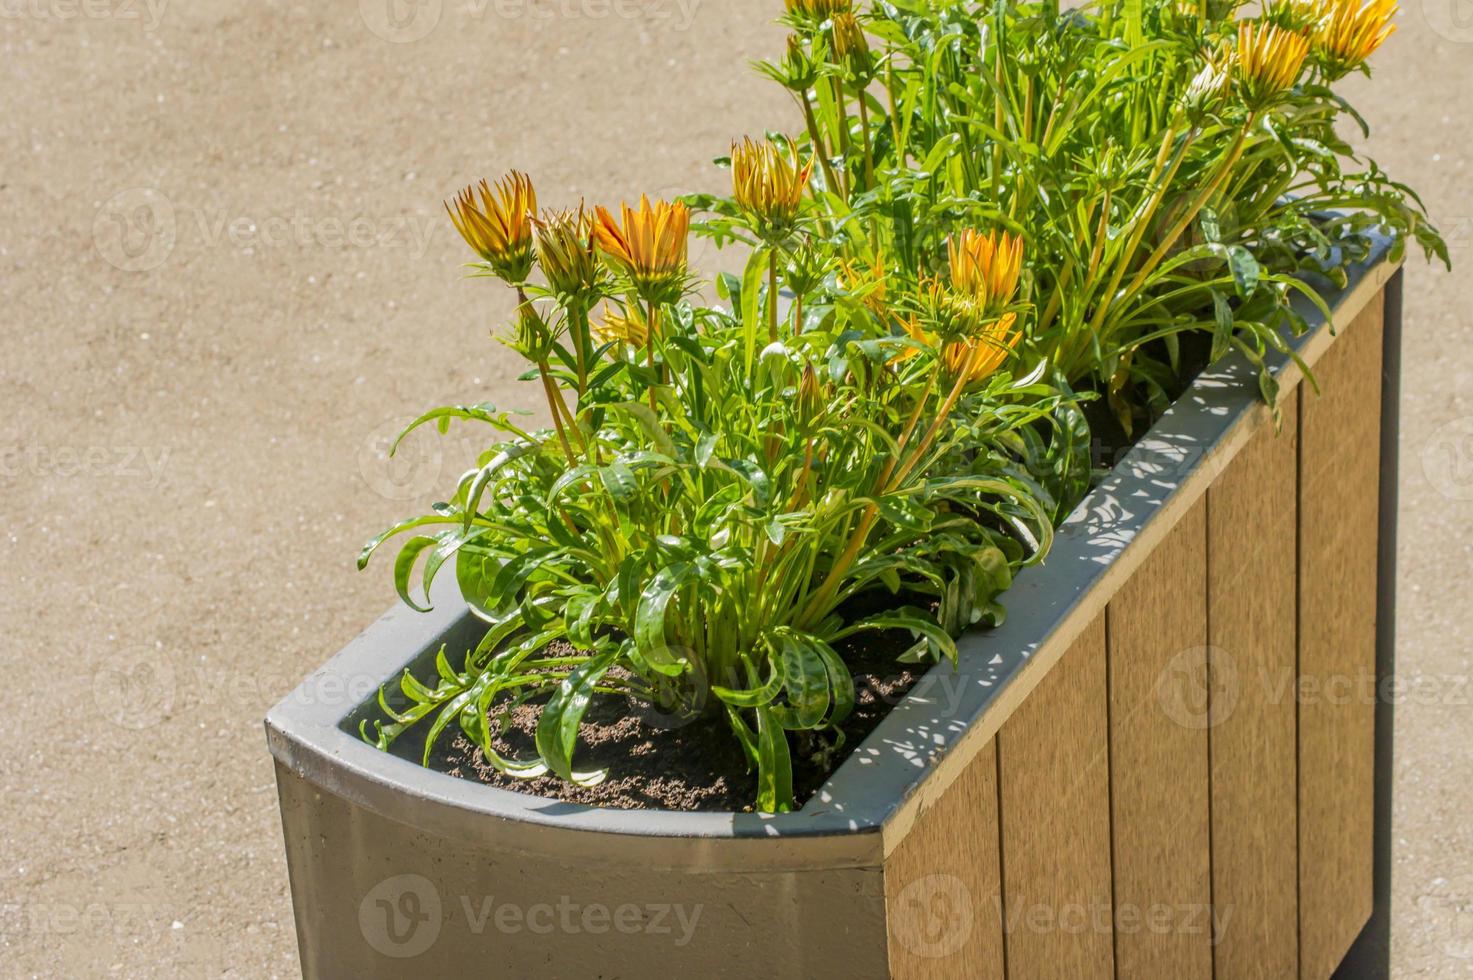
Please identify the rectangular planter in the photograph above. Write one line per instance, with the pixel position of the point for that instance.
(1170, 762)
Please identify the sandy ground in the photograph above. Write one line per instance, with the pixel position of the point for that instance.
(226, 280)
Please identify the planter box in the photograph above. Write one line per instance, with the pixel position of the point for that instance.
(1171, 761)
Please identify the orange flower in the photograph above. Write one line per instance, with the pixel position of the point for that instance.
(623, 328)
(565, 252)
(1350, 31)
(985, 268)
(499, 228)
(986, 353)
(816, 11)
(873, 281)
(650, 247)
(1269, 60)
(768, 185)
(979, 356)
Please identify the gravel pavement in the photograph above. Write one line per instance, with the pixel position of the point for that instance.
(226, 278)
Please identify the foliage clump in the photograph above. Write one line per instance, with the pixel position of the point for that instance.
(996, 215)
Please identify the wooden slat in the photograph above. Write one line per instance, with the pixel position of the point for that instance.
(1157, 627)
(1251, 551)
(1054, 768)
(942, 884)
(1338, 535)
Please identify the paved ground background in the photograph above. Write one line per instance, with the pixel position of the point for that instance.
(225, 279)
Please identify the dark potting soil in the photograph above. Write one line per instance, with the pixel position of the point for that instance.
(657, 763)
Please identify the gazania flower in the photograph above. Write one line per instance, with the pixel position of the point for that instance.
(499, 227)
(1269, 60)
(851, 47)
(816, 11)
(985, 268)
(565, 252)
(650, 246)
(1350, 32)
(979, 356)
(623, 328)
(873, 280)
(767, 185)
(1205, 92)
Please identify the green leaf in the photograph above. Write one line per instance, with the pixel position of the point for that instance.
(1245, 269)
(650, 627)
(404, 569)
(1222, 333)
(774, 765)
(557, 728)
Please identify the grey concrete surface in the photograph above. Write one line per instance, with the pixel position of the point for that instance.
(225, 279)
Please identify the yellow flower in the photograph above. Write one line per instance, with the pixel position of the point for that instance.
(650, 247)
(1269, 61)
(873, 281)
(499, 228)
(851, 47)
(816, 11)
(565, 252)
(979, 356)
(1350, 31)
(986, 353)
(768, 185)
(985, 268)
(623, 328)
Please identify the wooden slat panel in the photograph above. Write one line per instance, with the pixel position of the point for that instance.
(942, 884)
(1157, 628)
(1338, 535)
(1252, 523)
(1054, 767)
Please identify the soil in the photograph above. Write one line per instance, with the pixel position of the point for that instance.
(656, 762)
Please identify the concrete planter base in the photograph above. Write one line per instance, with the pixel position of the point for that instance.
(1171, 761)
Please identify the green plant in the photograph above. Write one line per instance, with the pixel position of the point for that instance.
(724, 490)
(1172, 168)
(718, 486)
